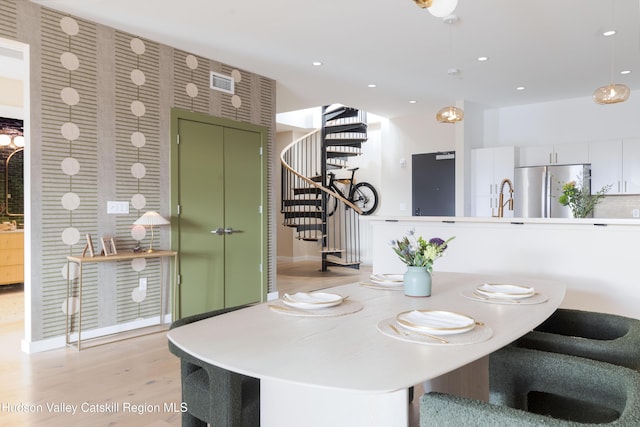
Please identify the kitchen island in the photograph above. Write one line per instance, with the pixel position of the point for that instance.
(597, 259)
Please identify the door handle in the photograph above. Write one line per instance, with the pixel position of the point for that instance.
(230, 230)
(219, 231)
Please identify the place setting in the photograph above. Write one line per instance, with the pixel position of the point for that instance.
(387, 282)
(315, 304)
(497, 293)
(435, 327)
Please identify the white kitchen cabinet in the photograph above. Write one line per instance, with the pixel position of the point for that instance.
(489, 167)
(559, 154)
(616, 163)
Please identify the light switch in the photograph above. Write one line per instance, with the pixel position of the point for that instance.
(117, 207)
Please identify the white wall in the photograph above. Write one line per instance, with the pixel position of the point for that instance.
(571, 120)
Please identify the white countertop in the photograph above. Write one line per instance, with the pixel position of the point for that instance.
(348, 352)
(495, 220)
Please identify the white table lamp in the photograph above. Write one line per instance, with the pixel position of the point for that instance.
(149, 219)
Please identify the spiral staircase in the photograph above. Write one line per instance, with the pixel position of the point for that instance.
(305, 164)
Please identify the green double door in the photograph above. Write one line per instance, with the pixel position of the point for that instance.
(218, 193)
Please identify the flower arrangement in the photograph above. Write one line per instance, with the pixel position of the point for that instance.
(417, 252)
(580, 201)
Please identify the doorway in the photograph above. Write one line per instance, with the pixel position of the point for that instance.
(14, 104)
(218, 201)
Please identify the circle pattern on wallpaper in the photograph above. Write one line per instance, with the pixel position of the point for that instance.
(138, 139)
(138, 170)
(138, 264)
(70, 201)
(70, 166)
(138, 232)
(137, 46)
(73, 306)
(192, 62)
(70, 61)
(69, 26)
(138, 295)
(137, 77)
(192, 90)
(137, 108)
(237, 77)
(70, 131)
(70, 236)
(236, 101)
(70, 96)
(73, 271)
(138, 201)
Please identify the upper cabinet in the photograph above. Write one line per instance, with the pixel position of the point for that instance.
(616, 163)
(489, 168)
(561, 154)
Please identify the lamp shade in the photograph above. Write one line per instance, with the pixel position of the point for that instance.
(450, 114)
(611, 94)
(442, 8)
(151, 218)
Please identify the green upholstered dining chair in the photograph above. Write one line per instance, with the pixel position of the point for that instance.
(213, 395)
(521, 380)
(599, 336)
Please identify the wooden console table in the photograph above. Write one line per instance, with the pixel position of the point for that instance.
(126, 256)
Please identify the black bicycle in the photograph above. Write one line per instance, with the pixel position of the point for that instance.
(362, 194)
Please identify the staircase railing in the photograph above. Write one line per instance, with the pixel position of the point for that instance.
(305, 199)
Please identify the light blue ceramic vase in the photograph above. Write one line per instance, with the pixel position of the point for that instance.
(417, 282)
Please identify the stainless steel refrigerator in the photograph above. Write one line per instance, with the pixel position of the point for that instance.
(537, 188)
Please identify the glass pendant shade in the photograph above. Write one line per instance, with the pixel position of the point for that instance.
(611, 94)
(450, 114)
(5, 140)
(442, 8)
(423, 3)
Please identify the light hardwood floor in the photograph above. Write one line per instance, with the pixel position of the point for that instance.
(139, 371)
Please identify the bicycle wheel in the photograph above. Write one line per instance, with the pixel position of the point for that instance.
(332, 205)
(365, 197)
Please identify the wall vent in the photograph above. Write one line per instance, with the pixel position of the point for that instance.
(222, 83)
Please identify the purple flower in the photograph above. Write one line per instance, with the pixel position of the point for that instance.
(437, 241)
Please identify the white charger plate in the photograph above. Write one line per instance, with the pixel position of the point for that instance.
(312, 301)
(493, 290)
(387, 279)
(436, 322)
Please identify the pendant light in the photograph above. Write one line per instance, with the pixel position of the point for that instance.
(438, 8)
(613, 92)
(451, 113)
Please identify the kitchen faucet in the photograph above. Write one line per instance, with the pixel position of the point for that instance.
(501, 202)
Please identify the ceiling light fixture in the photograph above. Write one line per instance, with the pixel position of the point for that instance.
(438, 8)
(5, 140)
(613, 92)
(483, 58)
(450, 113)
(316, 63)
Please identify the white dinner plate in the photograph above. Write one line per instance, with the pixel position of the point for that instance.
(436, 322)
(492, 290)
(312, 301)
(387, 279)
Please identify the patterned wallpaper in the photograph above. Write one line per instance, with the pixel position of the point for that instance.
(100, 128)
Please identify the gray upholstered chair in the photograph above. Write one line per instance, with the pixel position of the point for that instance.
(521, 380)
(599, 336)
(213, 395)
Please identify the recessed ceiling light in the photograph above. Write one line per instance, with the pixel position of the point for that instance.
(609, 33)
(371, 85)
(317, 63)
(625, 72)
(483, 58)
(412, 102)
(520, 88)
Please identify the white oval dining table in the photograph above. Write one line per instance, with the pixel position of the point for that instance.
(341, 370)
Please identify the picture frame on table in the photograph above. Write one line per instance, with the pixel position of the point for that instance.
(88, 247)
(108, 246)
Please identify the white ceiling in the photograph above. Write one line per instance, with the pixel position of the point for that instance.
(553, 48)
